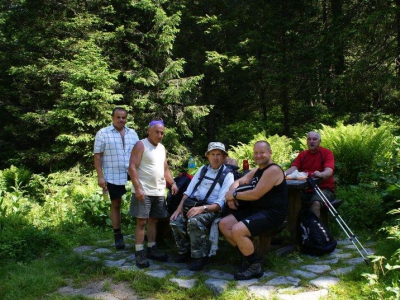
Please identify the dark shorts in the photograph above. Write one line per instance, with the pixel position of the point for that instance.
(308, 198)
(259, 221)
(116, 191)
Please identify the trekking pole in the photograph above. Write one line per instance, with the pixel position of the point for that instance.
(339, 220)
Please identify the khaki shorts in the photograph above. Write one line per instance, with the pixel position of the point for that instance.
(152, 206)
(308, 198)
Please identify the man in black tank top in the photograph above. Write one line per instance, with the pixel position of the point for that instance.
(262, 205)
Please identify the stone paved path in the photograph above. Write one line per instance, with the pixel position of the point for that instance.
(304, 281)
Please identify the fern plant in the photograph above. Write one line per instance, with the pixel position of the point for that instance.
(359, 149)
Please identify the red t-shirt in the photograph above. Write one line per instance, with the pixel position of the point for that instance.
(318, 161)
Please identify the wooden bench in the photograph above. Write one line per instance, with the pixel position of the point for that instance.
(262, 242)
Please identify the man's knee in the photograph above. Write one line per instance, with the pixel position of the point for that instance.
(153, 220)
(316, 204)
(116, 204)
(239, 230)
(141, 223)
(223, 225)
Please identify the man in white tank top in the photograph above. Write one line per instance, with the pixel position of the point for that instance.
(149, 172)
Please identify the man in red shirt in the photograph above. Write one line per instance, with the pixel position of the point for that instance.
(317, 162)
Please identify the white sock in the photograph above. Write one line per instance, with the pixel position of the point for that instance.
(149, 245)
(139, 247)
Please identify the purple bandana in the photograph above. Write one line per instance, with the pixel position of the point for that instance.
(156, 122)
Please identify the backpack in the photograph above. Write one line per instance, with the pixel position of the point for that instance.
(182, 182)
(315, 239)
(235, 171)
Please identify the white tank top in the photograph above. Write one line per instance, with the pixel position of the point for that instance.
(151, 169)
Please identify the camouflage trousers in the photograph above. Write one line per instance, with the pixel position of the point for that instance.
(192, 235)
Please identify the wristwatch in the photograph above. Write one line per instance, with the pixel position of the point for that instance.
(234, 195)
(205, 209)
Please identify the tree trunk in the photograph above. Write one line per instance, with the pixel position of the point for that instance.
(337, 16)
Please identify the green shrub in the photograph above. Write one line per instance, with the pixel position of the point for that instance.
(15, 178)
(359, 149)
(384, 281)
(21, 241)
(362, 207)
(281, 150)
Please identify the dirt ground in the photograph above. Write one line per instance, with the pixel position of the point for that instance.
(104, 290)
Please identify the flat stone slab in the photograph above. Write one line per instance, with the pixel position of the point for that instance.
(369, 251)
(114, 263)
(291, 289)
(344, 242)
(344, 255)
(342, 271)
(184, 283)
(243, 283)
(304, 274)
(324, 282)
(158, 273)
(268, 274)
(263, 291)
(314, 295)
(186, 273)
(176, 265)
(102, 250)
(281, 280)
(332, 261)
(82, 249)
(316, 268)
(219, 274)
(217, 286)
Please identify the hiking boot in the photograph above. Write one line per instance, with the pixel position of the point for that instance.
(119, 241)
(141, 260)
(153, 253)
(182, 257)
(198, 263)
(253, 271)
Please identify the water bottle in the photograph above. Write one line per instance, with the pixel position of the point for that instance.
(191, 165)
(105, 194)
(245, 166)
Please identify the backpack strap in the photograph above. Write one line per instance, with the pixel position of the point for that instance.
(225, 172)
(202, 175)
(214, 183)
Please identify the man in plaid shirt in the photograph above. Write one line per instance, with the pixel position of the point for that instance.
(112, 150)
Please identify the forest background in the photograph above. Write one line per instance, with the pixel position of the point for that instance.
(228, 71)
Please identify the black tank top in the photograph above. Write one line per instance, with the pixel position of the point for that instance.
(276, 198)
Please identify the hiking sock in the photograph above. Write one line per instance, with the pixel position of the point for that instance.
(139, 247)
(117, 230)
(149, 245)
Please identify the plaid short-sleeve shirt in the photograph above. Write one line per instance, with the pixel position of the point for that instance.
(115, 157)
